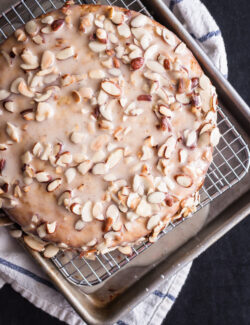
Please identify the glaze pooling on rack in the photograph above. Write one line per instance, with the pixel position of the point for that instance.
(230, 159)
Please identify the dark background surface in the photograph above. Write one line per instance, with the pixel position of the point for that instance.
(217, 290)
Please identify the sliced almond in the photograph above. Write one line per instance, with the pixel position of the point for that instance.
(50, 251)
(9, 105)
(215, 136)
(182, 155)
(156, 197)
(183, 98)
(13, 132)
(64, 159)
(155, 66)
(112, 212)
(144, 209)
(37, 149)
(51, 227)
(150, 52)
(117, 17)
(70, 174)
(180, 48)
(111, 88)
(76, 208)
(84, 167)
(98, 211)
(190, 137)
(66, 195)
(204, 82)
(77, 137)
(126, 250)
(97, 47)
(43, 97)
(114, 158)
(124, 30)
(153, 222)
(4, 94)
(184, 180)
(47, 20)
(33, 243)
(96, 74)
(100, 169)
(79, 225)
(87, 212)
(169, 37)
(44, 111)
(48, 59)
(14, 85)
(54, 185)
(24, 90)
(31, 27)
(139, 21)
(66, 53)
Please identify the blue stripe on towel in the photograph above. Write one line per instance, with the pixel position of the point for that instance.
(207, 36)
(120, 322)
(26, 272)
(163, 295)
(173, 3)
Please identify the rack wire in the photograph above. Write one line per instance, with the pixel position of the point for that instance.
(229, 166)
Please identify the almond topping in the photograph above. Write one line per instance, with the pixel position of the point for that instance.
(70, 175)
(137, 63)
(98, 211)
(99, 169)
(111, 88)
(184, 180)
(114, 158)
(51, 227)
(44, 111)
(48, 60)
(53, 185)
(9, 105)
(215, 137)
(97, 47)
(50, 251)
(13, 132)
(76, 208)
(87, 212)
(139, 21)
(42, 177)
(77, 137)
(57, 24)
(156, 197)
(33, 243)
(66, 53)
(124, 30)
(79, 225)
(31, 28)
(153, 222)
(84, 167)
(4, 93)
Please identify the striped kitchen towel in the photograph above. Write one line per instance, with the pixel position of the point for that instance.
(21, 272)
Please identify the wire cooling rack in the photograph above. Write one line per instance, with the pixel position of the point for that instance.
(230, 158)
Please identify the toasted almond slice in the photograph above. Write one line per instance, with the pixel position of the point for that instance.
(150, 52)
(33, 243)
(70, 174)
(4, 94)
(37, 149)
(98, 211)
(57, 24)
(155, 66)
(42, 177)
(183, 98)
(191, 137)
(47, 20)
(131, 216)
(180, 48)
(97, 47)
(9, 105)
(79, 225)
(124, 30)
(139, 21)
(13, 132)
(112, 212)
(184, 180)
(51, 227)
(64, 159)
(76, 208)
(96, 74)
(14, 85)
(100, 169)
(111, 88)
(54, 185)
(87, 212)
(153, 222)
(46, 30)
(169, 37)
(156, 197)
(114, 158)
(204, 82)
(66, 53)
(117, 17)
(31, 27)
(84, 167)
(182, 156)
(24, 90)
(16, 233)
(50, 251)
(215, 136)
(77, 137)
(20, 35)
(144, 209)
(44, 111)
(66, 195)
(48, 59)
(43, 97)
(126, 250)
(38, 39)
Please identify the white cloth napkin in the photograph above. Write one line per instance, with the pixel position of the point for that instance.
(21, 272)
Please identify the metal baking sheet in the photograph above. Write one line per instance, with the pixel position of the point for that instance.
(104, 303)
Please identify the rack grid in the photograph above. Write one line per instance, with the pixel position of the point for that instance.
(229, 166)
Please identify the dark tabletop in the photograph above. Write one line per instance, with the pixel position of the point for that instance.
(217, 290)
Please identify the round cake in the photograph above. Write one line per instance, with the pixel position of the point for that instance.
(107, 126)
